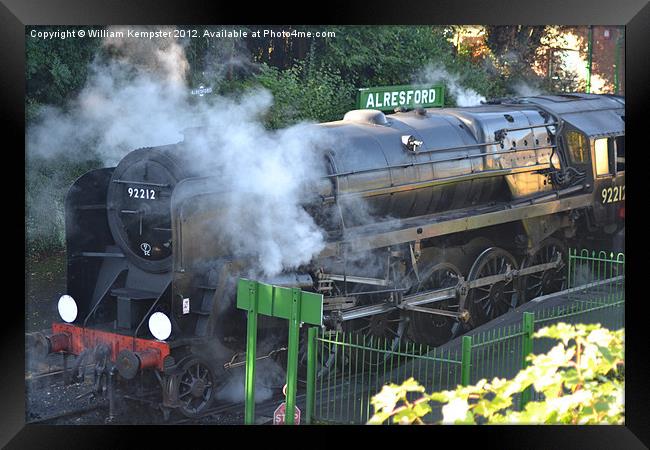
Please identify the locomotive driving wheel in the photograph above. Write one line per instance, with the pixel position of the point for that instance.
(432, 329)
(327, 354)
(383, 331)
(548, 281)
(489, 302)
(195, 385)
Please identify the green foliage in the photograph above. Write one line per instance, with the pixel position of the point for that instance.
(581, 380)
(47, 182)
(55, 68)
(514, 46)
(304, 93)
(382, 55)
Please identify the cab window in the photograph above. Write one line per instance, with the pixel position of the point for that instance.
(578, 147)
(620, 153)
(604, 151)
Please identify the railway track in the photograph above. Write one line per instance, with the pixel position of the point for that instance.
(49, 377)
(263, 409)
(71, 413)
(36, 381)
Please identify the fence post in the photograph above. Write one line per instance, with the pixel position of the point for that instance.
(251, 353)
(466, 360)
(569, 265)
(311, 374)
(527, 349)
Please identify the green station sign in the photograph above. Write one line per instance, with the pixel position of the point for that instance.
(282, 302)
(387, 98)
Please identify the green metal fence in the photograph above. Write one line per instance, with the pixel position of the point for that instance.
(351, 368)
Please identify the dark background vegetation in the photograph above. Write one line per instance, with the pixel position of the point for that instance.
(310, 79)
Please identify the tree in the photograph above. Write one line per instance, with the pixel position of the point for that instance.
(514, 46)
(55, 68)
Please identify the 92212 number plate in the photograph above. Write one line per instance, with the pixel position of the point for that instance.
(146, 194)
(613, 194)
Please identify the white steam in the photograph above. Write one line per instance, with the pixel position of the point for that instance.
(136, 98)
(524, 89)
(139, 97)
(268, 176)
(270, 377)
(464, 96)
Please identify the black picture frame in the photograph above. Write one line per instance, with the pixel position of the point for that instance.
(634, 14)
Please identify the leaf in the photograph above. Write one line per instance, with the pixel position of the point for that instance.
(422, 409)
(589, 394)
(455, 410)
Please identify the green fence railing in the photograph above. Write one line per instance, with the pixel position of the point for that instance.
(351, 368)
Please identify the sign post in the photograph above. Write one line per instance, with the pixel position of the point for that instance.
(387, 98)
(251, 352)
(280, 414)
(312, 348)
(292, 356)
(286, 303)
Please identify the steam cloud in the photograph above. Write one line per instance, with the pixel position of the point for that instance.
(437, 74)
(139, 97)
(526, 90)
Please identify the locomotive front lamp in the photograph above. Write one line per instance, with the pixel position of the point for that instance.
(160, 326)
(67, 308)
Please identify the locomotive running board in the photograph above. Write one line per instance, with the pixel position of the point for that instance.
(394, 232)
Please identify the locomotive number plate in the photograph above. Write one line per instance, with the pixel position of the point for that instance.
(613, 194)
(146, 194)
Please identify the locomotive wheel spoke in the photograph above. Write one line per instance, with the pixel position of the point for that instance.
(196, 386)
(548, 281)
(488, 302)
(393, 332)
(429, 328)
(377, 329)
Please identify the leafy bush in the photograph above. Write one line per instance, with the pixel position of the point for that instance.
(382, 55)
(55, 68)
(47, 182)
(582, 383)
(306, 93)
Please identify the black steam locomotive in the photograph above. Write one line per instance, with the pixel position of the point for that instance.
(470, 211)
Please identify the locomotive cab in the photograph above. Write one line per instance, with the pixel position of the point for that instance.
(598, 161)
(592, 147)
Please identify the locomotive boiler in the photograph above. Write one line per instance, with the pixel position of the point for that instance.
(436, 221)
